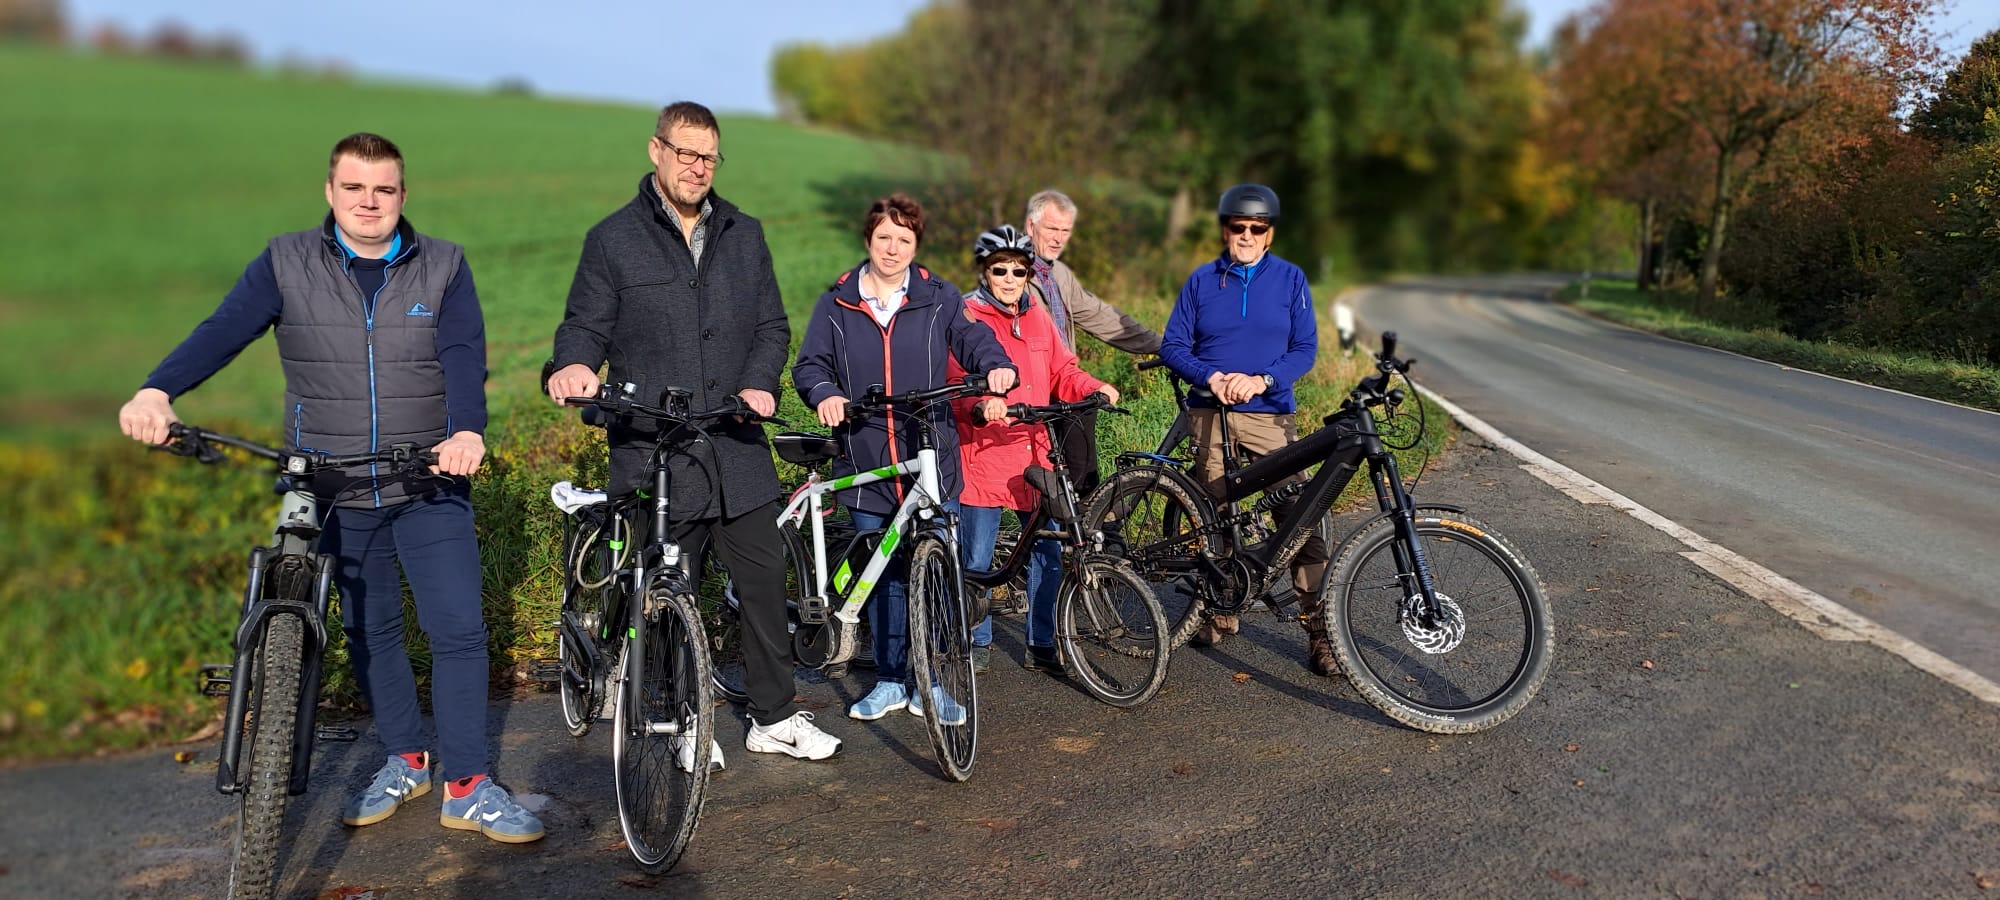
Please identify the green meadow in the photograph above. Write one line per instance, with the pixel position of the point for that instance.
(142, 189)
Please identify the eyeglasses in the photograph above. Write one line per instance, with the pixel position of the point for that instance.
(1257, 228)
(689, 157)
(1003, 271)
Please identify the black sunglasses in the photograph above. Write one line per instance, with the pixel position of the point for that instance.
(1257, 228)
(1003, 271)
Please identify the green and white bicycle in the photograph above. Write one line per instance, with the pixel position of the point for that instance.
(827, 591)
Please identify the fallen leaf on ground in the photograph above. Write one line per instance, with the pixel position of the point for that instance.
(1646, 664)
(612, 847)
(1579, 782)
(1984, 882)
(1572, 748)
(1569, 878)
(183, 757)
(1183, 768)
(1592, 590)
(347, 892)
(213, 728)
(645, 882)
(1240, 677)
(1000, 824)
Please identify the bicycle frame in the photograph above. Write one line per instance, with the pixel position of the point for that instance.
(925, 502)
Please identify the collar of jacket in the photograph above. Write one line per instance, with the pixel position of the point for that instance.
(404, 229)
(1225, 267)
(984, 295)
(652, 203)
(925, 288)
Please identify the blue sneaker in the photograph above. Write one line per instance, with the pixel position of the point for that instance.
(887, 697)
(489, 811)
(396, 784)
(949, 712)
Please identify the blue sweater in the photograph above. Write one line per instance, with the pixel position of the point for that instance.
(254, 304)
(1257, 320)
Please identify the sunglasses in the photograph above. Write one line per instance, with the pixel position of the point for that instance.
(1004, 271)
(1257, 228)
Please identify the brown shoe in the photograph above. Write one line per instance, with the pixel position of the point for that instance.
(1319, 655)
(1211, 632)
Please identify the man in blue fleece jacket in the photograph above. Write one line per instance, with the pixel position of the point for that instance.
(1244, 327)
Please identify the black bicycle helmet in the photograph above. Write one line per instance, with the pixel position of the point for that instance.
(999, 239)
(1248, 201)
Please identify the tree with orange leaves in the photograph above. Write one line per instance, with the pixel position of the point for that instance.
(1756, 88)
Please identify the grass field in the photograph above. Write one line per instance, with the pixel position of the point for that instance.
(144, 188)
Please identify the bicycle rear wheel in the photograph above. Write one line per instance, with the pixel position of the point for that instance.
(941, 656)
(1470, 667)
(1151, 516)
(664, 729)
(271, 723)
(1110, 630)
(587, 564)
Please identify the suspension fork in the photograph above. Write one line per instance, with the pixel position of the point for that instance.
(1413, 569)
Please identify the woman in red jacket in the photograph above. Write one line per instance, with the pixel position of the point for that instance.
(995, 453)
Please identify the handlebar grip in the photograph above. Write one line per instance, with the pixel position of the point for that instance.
(1150, 364)
(1388, 345)
(975, 382)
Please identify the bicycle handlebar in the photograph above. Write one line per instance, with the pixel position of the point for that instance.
(188, 440)
(612, 403)
(874, 401)
(1026, 413)
(1150, 364)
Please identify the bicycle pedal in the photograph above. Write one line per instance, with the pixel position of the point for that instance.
(337, 733)
(813, 610)
(216, 679)
(545, 671)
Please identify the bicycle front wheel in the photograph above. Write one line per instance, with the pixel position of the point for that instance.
(1110, 630)
(664, 731)
(941, 656)
(272, 720)
(1151, 517)
(1473, 663)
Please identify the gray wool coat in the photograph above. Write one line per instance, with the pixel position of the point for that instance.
(641, 303)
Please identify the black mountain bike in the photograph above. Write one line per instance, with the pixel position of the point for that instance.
(1434, 617)
(273, 686)
(630, 632)
(1176, 450)
(1110, 633)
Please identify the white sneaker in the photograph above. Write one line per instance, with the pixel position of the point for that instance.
(796, 736)
(684, 754)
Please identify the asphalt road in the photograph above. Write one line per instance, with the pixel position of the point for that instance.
(1885, 503)
(1749, 759)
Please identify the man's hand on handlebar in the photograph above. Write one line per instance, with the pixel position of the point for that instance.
(760, 402)
(1000, 381)
(574, 380)
(145, 417)
(460, 454)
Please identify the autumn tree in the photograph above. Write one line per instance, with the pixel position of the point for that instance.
(1763, 86)
(1966, 109)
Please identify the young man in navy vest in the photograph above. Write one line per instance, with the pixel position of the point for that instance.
(380, 334)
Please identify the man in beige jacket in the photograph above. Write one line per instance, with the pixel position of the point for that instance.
(1051, 216)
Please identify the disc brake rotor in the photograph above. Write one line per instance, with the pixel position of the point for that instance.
(1442, 633)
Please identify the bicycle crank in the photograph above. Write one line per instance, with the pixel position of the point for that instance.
(1433, 634)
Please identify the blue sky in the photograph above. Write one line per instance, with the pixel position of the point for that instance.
(646, 51)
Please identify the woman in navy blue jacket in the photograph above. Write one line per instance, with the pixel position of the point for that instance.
(891, 322)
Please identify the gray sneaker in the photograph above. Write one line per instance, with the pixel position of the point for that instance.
(982, 660)
(489, 811)
(395, 784)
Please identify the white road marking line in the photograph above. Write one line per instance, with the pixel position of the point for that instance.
(1818, 614)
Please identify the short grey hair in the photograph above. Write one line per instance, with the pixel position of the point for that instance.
(1044, 199)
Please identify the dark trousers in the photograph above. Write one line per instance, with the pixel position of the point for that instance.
(432, 539)
(1079, 445)
(749, 547)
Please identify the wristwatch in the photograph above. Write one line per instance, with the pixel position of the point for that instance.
(1269, 382)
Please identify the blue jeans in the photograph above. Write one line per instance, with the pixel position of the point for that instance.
(431, 539)
(888, 606)
(978, 530)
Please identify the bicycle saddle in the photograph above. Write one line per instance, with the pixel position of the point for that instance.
(803, 448)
